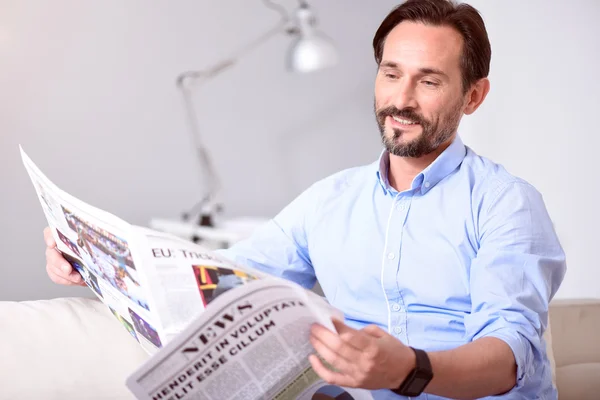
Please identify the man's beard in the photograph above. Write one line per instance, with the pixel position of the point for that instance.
(434, 133)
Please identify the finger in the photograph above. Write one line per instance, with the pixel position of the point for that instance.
(60, 267)
(335, 343)
(59, 279)
(329, 376)
(73, 276)
(337, 358)
(340, 326)
(48, 238)
(56, 259)
(76, 278)
(374, 331)
(356, 338)
(333, 340)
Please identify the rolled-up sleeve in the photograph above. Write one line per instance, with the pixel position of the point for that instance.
(519, 266)
(279, 247)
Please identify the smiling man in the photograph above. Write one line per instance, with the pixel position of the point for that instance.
(442, 262)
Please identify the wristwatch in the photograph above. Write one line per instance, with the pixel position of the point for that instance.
(418, 379)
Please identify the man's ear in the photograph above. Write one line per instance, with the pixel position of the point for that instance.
(476, 95)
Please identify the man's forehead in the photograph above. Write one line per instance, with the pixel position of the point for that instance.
(426, 43)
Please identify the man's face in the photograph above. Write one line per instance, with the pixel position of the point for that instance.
(419, 98)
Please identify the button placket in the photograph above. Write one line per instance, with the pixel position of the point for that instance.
(398, 320)
(393, 256)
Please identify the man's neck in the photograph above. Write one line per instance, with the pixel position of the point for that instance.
(404, 169)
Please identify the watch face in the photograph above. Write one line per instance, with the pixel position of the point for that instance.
(419, 383)
(415, 383)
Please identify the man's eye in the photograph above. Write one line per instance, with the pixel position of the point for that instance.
(430, 83)
(391, 76)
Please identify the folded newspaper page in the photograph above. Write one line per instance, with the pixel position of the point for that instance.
(213, 329)
(252, 343)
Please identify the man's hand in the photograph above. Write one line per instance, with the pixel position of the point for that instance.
(58, 269)
(369, 358)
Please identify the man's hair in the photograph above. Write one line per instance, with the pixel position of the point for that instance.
(466, 20)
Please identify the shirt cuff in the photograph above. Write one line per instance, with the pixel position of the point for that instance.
(522, 351)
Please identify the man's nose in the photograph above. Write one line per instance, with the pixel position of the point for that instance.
(404, 96)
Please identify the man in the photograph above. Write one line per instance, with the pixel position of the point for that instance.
(442, 262)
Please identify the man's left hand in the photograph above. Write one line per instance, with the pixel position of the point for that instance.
(369, 358)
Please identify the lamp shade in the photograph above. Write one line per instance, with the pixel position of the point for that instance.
(311, 50)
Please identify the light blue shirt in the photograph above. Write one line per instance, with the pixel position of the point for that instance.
(469, 251)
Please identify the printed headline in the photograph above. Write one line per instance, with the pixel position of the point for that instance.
(228, 336)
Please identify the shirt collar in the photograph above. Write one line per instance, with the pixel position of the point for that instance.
(440, 168)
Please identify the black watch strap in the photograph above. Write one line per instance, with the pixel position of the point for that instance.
(417, 380)
(422, 359)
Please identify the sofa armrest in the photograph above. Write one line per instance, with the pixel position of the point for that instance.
(67, 348)
(576, 347)
(575, 331)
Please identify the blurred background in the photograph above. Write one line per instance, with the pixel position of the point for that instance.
(88, 89)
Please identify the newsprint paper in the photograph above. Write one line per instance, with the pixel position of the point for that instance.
(214, 329)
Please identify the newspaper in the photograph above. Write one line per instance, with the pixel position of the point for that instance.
(213, 329)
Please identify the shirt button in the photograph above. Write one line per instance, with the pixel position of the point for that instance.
(400, 207)
(396, 307)
(391, 256)
(398, 329)
(427, 184)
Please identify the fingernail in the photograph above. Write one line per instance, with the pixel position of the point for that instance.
(66, 268)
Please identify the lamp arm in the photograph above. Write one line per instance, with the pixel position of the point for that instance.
(211, 177)
(281, 26)
(216, 69)
(210, 201)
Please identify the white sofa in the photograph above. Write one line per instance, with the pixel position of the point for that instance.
(73, 348)
(66, 348)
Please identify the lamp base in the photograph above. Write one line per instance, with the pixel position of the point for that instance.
(206, 220)
(221, 235)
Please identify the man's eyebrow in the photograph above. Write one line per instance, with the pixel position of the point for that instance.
(388, 64)
(432, 71)
(423, 71)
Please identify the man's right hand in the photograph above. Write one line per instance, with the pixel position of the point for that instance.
(59, 269)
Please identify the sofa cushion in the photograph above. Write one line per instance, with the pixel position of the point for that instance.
(579, 381)
(575, 327)
(68, 348)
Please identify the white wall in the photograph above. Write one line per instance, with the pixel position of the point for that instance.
(88, 90)
(539, 118)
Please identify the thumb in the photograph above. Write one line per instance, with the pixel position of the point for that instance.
(341, 327)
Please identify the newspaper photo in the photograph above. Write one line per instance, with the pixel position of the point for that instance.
(213, 329)
(154, 283)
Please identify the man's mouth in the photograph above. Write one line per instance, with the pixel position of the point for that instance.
(404, 121)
